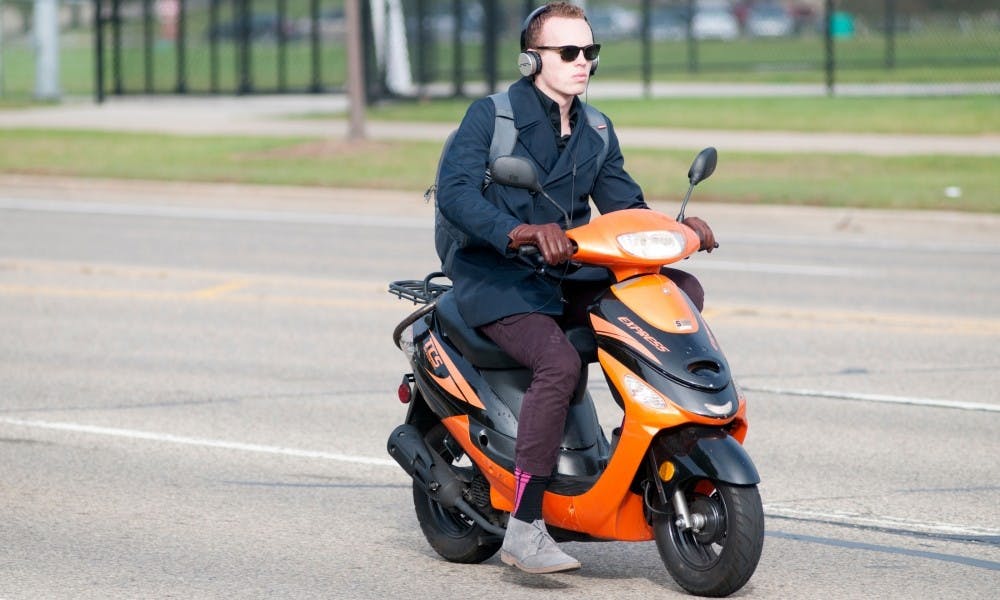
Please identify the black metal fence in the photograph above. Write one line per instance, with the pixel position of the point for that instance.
(219, 46)
(735, 40)
(441, 47)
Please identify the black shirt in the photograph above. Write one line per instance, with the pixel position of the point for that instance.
(552, 110)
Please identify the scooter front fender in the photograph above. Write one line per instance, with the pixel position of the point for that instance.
(703, 453)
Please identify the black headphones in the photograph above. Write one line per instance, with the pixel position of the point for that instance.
(529, 62)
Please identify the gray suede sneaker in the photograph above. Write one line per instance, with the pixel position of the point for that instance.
(529, 547)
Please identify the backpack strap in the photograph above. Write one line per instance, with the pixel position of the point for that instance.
(504, 131)
(599, 124)
(448, 238)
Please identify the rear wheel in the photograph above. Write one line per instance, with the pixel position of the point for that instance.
(718, 558)
(453, 535)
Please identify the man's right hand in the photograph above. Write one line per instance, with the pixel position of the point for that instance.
(550, 239)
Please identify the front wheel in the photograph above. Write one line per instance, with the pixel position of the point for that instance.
(453, 535)
(718, 558)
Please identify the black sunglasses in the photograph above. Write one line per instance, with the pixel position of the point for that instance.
(569, 53)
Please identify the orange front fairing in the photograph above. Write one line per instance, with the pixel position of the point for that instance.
(610, 331)
(659, 302)
(598, 242)
(644, 415)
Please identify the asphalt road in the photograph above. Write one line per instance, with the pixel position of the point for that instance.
(198, 382)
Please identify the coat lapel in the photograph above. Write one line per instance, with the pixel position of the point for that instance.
(534, 132)
(533, 129)
(583, 146)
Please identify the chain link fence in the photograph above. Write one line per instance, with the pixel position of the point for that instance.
(452, 47)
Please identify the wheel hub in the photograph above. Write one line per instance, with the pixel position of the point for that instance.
(714, 521)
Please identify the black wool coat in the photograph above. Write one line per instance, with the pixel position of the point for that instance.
(489, 283)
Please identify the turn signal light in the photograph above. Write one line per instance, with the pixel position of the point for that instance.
(667, 470)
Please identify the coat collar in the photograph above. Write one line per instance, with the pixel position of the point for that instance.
(534, 132)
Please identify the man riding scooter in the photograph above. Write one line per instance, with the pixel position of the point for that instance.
(504, 297)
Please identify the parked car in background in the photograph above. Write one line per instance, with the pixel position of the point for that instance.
(715, 21)
(261, 26)
(769, 20)
(668, 23)
(614, 22)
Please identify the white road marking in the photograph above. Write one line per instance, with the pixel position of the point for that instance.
(780, 269)
(775, 510)
(203, 442)
(880, 522)
(214, 214)
(882, 398)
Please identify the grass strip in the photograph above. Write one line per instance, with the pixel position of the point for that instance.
(958, 115)
(911, 182)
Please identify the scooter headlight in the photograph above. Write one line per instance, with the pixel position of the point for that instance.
(644, 394)
(653, 245)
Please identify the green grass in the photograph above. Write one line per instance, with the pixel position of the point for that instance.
(926, 115)
(827, 180)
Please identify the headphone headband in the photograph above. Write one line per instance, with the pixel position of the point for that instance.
(527, 23)
(529, 62)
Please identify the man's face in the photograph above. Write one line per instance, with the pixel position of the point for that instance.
(558, 79)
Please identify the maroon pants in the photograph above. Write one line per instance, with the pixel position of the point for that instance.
(537, 341)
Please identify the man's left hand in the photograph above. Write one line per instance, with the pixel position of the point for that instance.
(704, 232)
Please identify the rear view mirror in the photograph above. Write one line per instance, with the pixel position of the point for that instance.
(703, 165)
(515, 171)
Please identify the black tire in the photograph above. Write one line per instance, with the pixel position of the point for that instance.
(452, 535)
(719, 559)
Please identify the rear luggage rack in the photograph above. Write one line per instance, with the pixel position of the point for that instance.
(419, 291)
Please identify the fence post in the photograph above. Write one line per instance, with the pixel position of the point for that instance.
(243, 53)
(316, 50)
(116, 42)
(890, 34)
(692, 44)
(374, 77)
(828, 38)
(98, 51)
(181, 46)
(647, 48)
(490, 45)
(213, 47)
(147, 45)
(282, 43)
(458, 51)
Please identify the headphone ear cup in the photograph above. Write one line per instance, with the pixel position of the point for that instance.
(593, 65)
(529, 63)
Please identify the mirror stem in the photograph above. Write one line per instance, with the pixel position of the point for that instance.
(680, 215)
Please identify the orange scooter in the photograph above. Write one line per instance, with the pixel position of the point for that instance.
(674, 471)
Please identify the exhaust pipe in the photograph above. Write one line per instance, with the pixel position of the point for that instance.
(434, 476)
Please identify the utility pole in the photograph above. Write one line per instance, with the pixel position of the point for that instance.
(355, 71)
(46, 26)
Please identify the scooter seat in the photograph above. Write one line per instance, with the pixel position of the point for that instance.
(474, 346)
(483, 353)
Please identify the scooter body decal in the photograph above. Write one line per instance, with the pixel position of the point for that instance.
(446, 374)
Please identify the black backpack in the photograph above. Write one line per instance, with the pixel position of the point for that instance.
(448, 238)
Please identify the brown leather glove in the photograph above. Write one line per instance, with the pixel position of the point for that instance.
(704, 232)
(550, 239)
